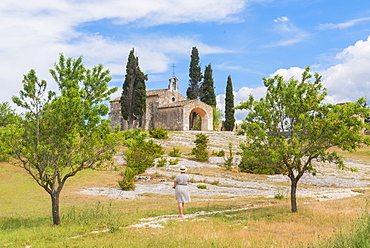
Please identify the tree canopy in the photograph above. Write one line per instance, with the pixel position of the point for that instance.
(195, 75)
(229, 106)
(290, 129)
(7, 115)
(62, 132)
(207, 90)
(133, 98)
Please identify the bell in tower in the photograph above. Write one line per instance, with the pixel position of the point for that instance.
(173, 84)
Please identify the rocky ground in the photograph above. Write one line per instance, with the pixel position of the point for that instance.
(329, 183)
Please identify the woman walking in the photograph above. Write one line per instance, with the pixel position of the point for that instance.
(181, 190)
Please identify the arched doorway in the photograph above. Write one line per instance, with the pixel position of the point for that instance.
(198, 119)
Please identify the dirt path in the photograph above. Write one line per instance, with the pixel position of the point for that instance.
(155, 222)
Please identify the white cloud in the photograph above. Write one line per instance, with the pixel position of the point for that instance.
(34, 33)
(292, 72)
(143, 12)
(281, 19)
(241, 96)
(155, 53)
(226, 67)
(343, 24)
(350, 78)
(194, 10)
(290, 33)
(346, 81)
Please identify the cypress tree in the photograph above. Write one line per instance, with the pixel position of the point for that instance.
(229, 106)
(195, 75)
(133, 99)
(207, 92)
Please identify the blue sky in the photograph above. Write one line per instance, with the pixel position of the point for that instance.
(243, 38)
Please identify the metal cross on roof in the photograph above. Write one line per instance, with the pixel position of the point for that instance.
(173, 70)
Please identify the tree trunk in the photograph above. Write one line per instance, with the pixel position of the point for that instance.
(130, 123)
(55, 207)
(293, 198)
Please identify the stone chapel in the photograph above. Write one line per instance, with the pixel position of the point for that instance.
(167, 109)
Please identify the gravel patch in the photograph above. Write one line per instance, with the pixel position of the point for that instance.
(217, 140)
(329, 182)
(323, 186)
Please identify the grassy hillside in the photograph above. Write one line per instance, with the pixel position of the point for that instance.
(98, 221)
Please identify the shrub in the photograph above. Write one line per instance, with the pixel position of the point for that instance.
(201, 186)
(174, 162)
(229, 161)
(219, 153)
(141, 156)
(175, 152)
(250, 166)
(161, 162)
(258, 164)
(279, 195)
(127, 182)
(158, 133)
(200, 150)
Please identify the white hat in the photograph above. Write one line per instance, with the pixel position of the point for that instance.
(183, 168)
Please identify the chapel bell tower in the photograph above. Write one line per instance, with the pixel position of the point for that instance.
(173, 84)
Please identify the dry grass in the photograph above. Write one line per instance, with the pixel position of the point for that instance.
(312, 222)
(263, 226)
(269, 223)
(362, 154)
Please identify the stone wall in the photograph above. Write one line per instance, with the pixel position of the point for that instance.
(170, 119)
(115, 115)
(166, 109)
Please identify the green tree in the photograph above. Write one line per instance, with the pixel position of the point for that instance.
(142, 156)
(200, 150)
(133, 99)
(229, 106)
(217, 115)
(63, 133)
(229, 160)
(158, 133)
(7, 115)
(195, 75)
(207, 90)
(291, 129)
(139, 156)
(141, 152)
(128, 179)
(207, 94)
(367, 118)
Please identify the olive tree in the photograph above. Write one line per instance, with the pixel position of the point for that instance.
(7, 114)
(290, 129)
(62, 132)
